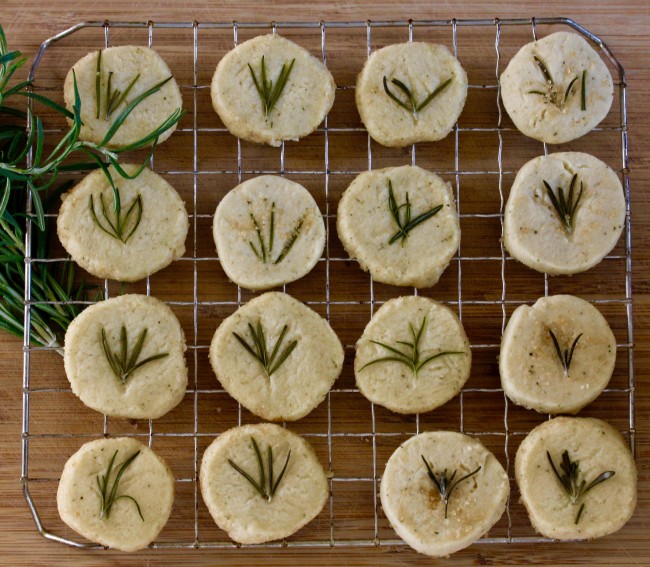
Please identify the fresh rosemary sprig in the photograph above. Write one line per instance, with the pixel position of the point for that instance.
(270, 94)
(412, 359)
(411, 104)
(265, 490)
(258, 350)
(573, 485)
(553, 93)
(565, 207)
(265, 252)
(53, 291)
(445, 484)
(567, 356)
(123, 365)
(108, 495)
(407, 224)
(123, 227)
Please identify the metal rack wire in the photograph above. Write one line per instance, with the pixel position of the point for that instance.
(327, 532)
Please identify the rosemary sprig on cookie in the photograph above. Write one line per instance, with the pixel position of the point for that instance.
(553, 92)
(265, 251)
(573, 482)
(124, 225)
(405, 223)
(269, 360)
(412, 359)
(123, 365)
(567, 356)
(265, 489)
(411, 104)
(269, 94)
(444, 484)
(108, 494)
(565, 206)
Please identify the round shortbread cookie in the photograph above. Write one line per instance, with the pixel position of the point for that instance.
(269, 232)
(552, 111)
(597, 448)
(367, 223)
(415, 382)
(303, 102)
(415, 507)
(127, 384)
(152, 234)
(533, 230)
(424, 69)
(304, 357)
(282, 504)
(533, 374)
(119, 67)
(125, 526)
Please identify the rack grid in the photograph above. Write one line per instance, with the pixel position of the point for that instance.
(336, 526)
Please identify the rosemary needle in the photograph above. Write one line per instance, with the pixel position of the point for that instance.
(272, 360)
(264, 489)
(269, 94)
(265, 251)
(570, 480)
(444, 484)
(405, 224)
(565, 206)
(108, 494)
(567, 356)
(411, 104)
(413, 359)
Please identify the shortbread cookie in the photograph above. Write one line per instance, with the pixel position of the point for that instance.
(268, 231)
(563, 378)
(299, 90)
(277, 499)
(125, 512)
(124, 357)
(557, 89)
(125, 72)
(594, 451)
(591, 220)
(276, 357)
(147, 234)
(400, 224)
(435, 357)
(430, 87)
(477, 490)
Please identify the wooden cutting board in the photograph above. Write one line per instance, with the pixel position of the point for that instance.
(623, 26)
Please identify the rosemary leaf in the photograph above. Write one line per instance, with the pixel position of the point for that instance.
(108, 495)
(265, 252)
(444, 484)
(123, 226)
(272, 361)
(565, 208)
(123, 365)
(583, 101)
(265, 486)
(411, 103)
(407, 224)
(567, 356)
(411, 359)
(573, 482)
(269, 94)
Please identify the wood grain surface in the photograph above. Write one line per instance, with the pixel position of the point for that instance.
(623, 25)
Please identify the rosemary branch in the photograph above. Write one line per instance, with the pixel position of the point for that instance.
(123, 227)
(567, 356)
(411, 104)
(123, 365)
(406, 224)
(265, 252)
(411, 359)
(270, 94)
(55, 295)
(553, 92)
(565, 207)
(265, 490)
(272, 360)
(108, 495)
(570, 479)
(445, 484)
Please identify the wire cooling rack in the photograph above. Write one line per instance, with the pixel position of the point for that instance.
(351, 436)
